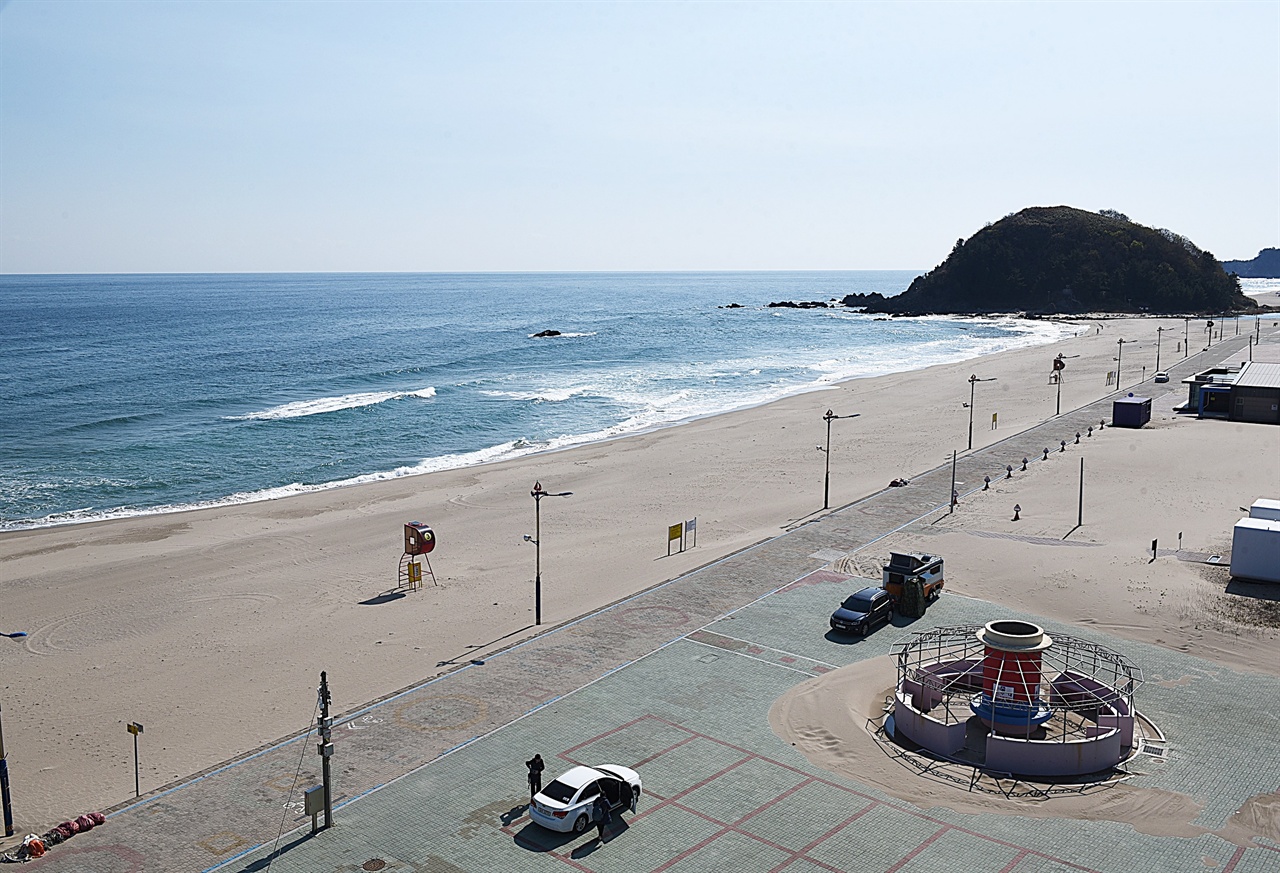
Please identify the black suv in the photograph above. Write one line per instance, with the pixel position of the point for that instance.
(862, 611)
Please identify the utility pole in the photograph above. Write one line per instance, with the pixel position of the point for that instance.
(4, 787)
(1186, 336)
(1119, 355)
(325, 724)
(1159, 334)
(1080, 509)
(953, 482)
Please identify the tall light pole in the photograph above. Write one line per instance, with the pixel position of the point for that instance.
(973, 379)
(1119, 355)
(1186, 336)
(4, 787)
(1159, 334)
(5, 800)
(826, 482)
(537, 494)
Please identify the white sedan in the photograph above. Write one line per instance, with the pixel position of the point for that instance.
(565, 804)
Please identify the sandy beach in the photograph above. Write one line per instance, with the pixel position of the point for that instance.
(211, 627)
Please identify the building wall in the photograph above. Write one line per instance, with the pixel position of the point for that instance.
(1249, 403)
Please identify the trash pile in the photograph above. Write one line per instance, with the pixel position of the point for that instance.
(34, 846)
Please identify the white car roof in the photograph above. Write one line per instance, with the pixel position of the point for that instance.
(579, 776)
(576, 777)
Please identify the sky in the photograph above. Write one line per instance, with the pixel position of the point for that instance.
(487, 136)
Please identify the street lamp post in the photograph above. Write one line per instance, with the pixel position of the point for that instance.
(1159, 334)
(1186, 336)
(537, 494)
(826, 482)
(1119, 355)
(973, 379)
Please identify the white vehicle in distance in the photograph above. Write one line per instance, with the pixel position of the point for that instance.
(1162, 376)
(565, 804)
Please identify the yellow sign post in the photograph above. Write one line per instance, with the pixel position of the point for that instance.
(675, 532)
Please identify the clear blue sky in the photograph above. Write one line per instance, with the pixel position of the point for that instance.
(246, 136)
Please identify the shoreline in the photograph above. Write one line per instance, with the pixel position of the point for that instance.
(507, 451)
(208, 625)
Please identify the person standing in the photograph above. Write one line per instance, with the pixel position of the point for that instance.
(600, 810)
(536, 767)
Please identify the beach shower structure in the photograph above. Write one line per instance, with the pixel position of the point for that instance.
(419, 540)
(1008, 698)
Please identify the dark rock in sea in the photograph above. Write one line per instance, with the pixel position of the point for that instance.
(547, 333)
(804, 304)
(732, 306)
(1057, 259)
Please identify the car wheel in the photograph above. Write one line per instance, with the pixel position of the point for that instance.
(864, 627)
(580, 824)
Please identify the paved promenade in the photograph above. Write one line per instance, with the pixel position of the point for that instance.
(677, 682)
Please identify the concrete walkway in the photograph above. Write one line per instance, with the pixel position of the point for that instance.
(675, 681)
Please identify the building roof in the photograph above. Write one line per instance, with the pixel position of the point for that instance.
(1259, 374)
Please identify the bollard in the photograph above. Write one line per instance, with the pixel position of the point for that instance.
(1046, 455)
(1077, 437)
(1064, 446)
(1102, 424)
(986, 482)
(1024, 463)
(1008, 471)
(1016, 509)
(1090, 433)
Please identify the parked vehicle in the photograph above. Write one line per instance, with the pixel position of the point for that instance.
(1162, 376)
(862, 611)
(903, 566)
(565, 804)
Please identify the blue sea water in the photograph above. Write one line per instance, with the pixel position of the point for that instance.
(125, 395)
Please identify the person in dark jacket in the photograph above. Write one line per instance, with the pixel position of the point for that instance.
(600, 811)
(535, 775)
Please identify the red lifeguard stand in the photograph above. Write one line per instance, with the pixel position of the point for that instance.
(419, 540)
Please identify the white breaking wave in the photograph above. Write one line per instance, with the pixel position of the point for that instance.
(548, 396)
(652, 409)
(320, 405)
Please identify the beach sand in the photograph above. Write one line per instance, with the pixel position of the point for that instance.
(211, 627)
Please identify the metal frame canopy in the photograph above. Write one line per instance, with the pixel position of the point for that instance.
(1078, 696)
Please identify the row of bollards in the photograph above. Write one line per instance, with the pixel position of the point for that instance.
(1008, 468)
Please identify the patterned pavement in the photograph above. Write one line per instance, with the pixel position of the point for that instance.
(677, 681)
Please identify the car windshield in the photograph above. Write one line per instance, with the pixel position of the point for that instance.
(857, 603)
(558, 791)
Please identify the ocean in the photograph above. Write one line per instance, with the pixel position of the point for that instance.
(126, 395)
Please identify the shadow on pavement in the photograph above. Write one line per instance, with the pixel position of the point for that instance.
(1256, 590)
(264, 862)
(535, 838)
